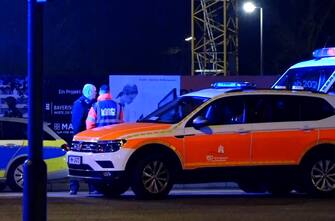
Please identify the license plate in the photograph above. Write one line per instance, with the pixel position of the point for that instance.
(74, 160)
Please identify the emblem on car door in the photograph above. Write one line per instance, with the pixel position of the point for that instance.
(221, 149)
(217, 156)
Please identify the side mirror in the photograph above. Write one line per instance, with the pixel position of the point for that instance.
(199, 122)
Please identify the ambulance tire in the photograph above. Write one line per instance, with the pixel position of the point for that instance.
(319, 175)
(151, 177)
(15, 176)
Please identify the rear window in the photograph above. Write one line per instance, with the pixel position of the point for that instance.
(313, 108)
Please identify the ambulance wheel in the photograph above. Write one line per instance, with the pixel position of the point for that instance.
(151, 177)
(319, 175)
(15, 176)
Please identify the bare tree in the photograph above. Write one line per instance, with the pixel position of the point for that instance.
(298, 27)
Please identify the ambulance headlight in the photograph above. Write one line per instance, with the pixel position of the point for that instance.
(110, 146)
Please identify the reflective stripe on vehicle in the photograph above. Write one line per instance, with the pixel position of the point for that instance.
(2, 173)
(56, 164)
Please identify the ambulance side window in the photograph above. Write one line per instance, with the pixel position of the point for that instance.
(272, 108)
(285, 108)
(313, 108)
(229, 110)
(259, 109)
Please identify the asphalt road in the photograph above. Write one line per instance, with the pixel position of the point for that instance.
(188, 205)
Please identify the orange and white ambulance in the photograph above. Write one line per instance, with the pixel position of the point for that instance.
(265, 140)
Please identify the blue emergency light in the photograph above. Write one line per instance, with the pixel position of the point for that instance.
(231, 85)
(324, 52)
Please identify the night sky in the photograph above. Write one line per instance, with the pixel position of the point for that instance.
(99, 37)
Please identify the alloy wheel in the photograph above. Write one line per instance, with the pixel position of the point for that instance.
(18, 175)
(155, 177)
(323, 175)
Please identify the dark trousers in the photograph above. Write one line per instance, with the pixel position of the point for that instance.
(74, 186)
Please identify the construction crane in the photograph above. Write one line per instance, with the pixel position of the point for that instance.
(214, 37)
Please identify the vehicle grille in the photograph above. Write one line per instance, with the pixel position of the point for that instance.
(94, 147)
(85, 147)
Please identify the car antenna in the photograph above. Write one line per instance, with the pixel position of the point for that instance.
(325, 45)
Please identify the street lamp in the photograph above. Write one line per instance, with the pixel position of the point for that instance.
(249, 7)
(189, 38)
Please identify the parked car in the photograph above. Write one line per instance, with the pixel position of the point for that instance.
(265, 140)
(14, 151)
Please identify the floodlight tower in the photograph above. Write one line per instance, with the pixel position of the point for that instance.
(214, 37)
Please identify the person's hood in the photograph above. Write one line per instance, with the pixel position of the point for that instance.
(121, 131)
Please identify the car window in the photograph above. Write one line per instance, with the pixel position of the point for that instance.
(17, 131)
(332, 89)
(229, 110)
(14, 131)
(285, 108)
(272, 108)
(313, 108)
(174, 111)
(47, 136)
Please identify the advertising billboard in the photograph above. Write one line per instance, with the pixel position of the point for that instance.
(141, 94)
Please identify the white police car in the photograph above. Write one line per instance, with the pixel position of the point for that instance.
(14, 151)
(316, 75)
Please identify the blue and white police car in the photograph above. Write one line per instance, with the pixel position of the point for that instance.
(14, 151)
(316, 75)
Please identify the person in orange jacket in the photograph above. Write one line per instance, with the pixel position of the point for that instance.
(105, 111)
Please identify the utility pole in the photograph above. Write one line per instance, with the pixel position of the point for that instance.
(35, 171)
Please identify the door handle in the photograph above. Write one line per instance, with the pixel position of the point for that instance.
(11, 145)
(307, 129)
(182, 136)
(243, 131)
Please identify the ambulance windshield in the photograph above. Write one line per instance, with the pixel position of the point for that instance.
(307, 78)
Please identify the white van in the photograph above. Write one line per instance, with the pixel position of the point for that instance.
(316, 75)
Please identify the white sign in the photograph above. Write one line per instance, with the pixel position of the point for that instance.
(141, 94)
